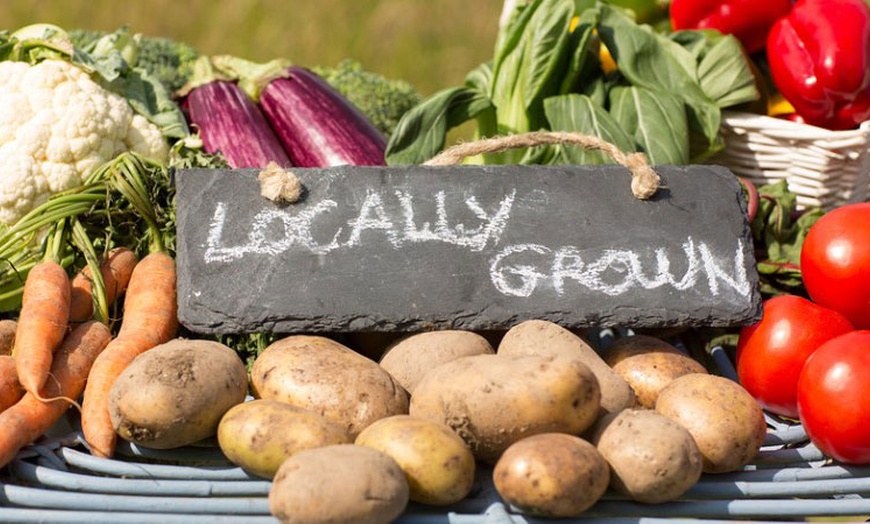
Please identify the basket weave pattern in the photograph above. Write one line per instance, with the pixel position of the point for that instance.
(823, 168)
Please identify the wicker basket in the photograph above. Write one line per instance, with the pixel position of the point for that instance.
(823, 168)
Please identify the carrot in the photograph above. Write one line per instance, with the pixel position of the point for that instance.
(30, 417)
(115, 269)
(151, 302)
(10, 389)
(150, 318)
(42, 323)
(7, 336)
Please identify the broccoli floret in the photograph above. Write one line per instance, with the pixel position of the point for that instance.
(168, 60)
(382, 100)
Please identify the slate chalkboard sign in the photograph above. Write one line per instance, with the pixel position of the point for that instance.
(463, 247)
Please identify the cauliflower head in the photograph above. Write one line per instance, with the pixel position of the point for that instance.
(56, 126)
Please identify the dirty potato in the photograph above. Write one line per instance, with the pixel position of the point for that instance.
(540, 337)
(492, 401)
(413, 356)
(176, 393)
(726, 422)
(649, 364)
(652, 458)
(340, 484)
(261, 434)
(324, 376)
(551, 475)
(438, 464)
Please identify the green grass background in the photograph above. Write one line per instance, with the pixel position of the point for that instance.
(431, 43)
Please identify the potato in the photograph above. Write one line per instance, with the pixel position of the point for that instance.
(492, 401)
(324, 376)
(551, 475)
(338, 484)
(652, 458)
(648, 364)
(726, 422)
(415, 355)
(259, 435)
(540, 337)
(176, 393)
(437, 463)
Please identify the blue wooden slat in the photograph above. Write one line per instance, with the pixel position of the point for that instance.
(127, 469)
(29, 515)
(733, 509)
(51, 478)
(14, 495)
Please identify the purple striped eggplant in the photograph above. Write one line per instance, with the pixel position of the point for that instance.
(230, 122)
(317, 125)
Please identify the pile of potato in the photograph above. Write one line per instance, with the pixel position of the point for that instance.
(346, 438)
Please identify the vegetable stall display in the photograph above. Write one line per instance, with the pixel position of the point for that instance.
(90, 188)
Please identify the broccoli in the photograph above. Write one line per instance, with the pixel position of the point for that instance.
(168, 60)
(382, 100)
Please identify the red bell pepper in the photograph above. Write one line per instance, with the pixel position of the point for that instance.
(748, 20)
(819, 56)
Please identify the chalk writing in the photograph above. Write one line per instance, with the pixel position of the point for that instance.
(613, 272)
(512, 270)
(297, 226)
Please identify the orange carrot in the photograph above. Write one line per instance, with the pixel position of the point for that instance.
(115, 269)
(42, 322)
(10, 389)
(7, 336)
(31, 416)
(151, 302)
(150, 318)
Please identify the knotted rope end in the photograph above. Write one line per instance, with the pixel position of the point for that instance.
(279, 185)
(644, 180)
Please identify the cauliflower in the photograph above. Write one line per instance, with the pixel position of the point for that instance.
(56, 126)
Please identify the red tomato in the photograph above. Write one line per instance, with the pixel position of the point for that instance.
(834, 399)
(835, 262)
(771, 353)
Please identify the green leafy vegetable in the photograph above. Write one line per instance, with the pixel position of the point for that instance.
(723, 71)
(779, 230)
(645, 59)
(421, 133)
(580, 113)
(527, 61)
(656, 120)
(665, 95)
